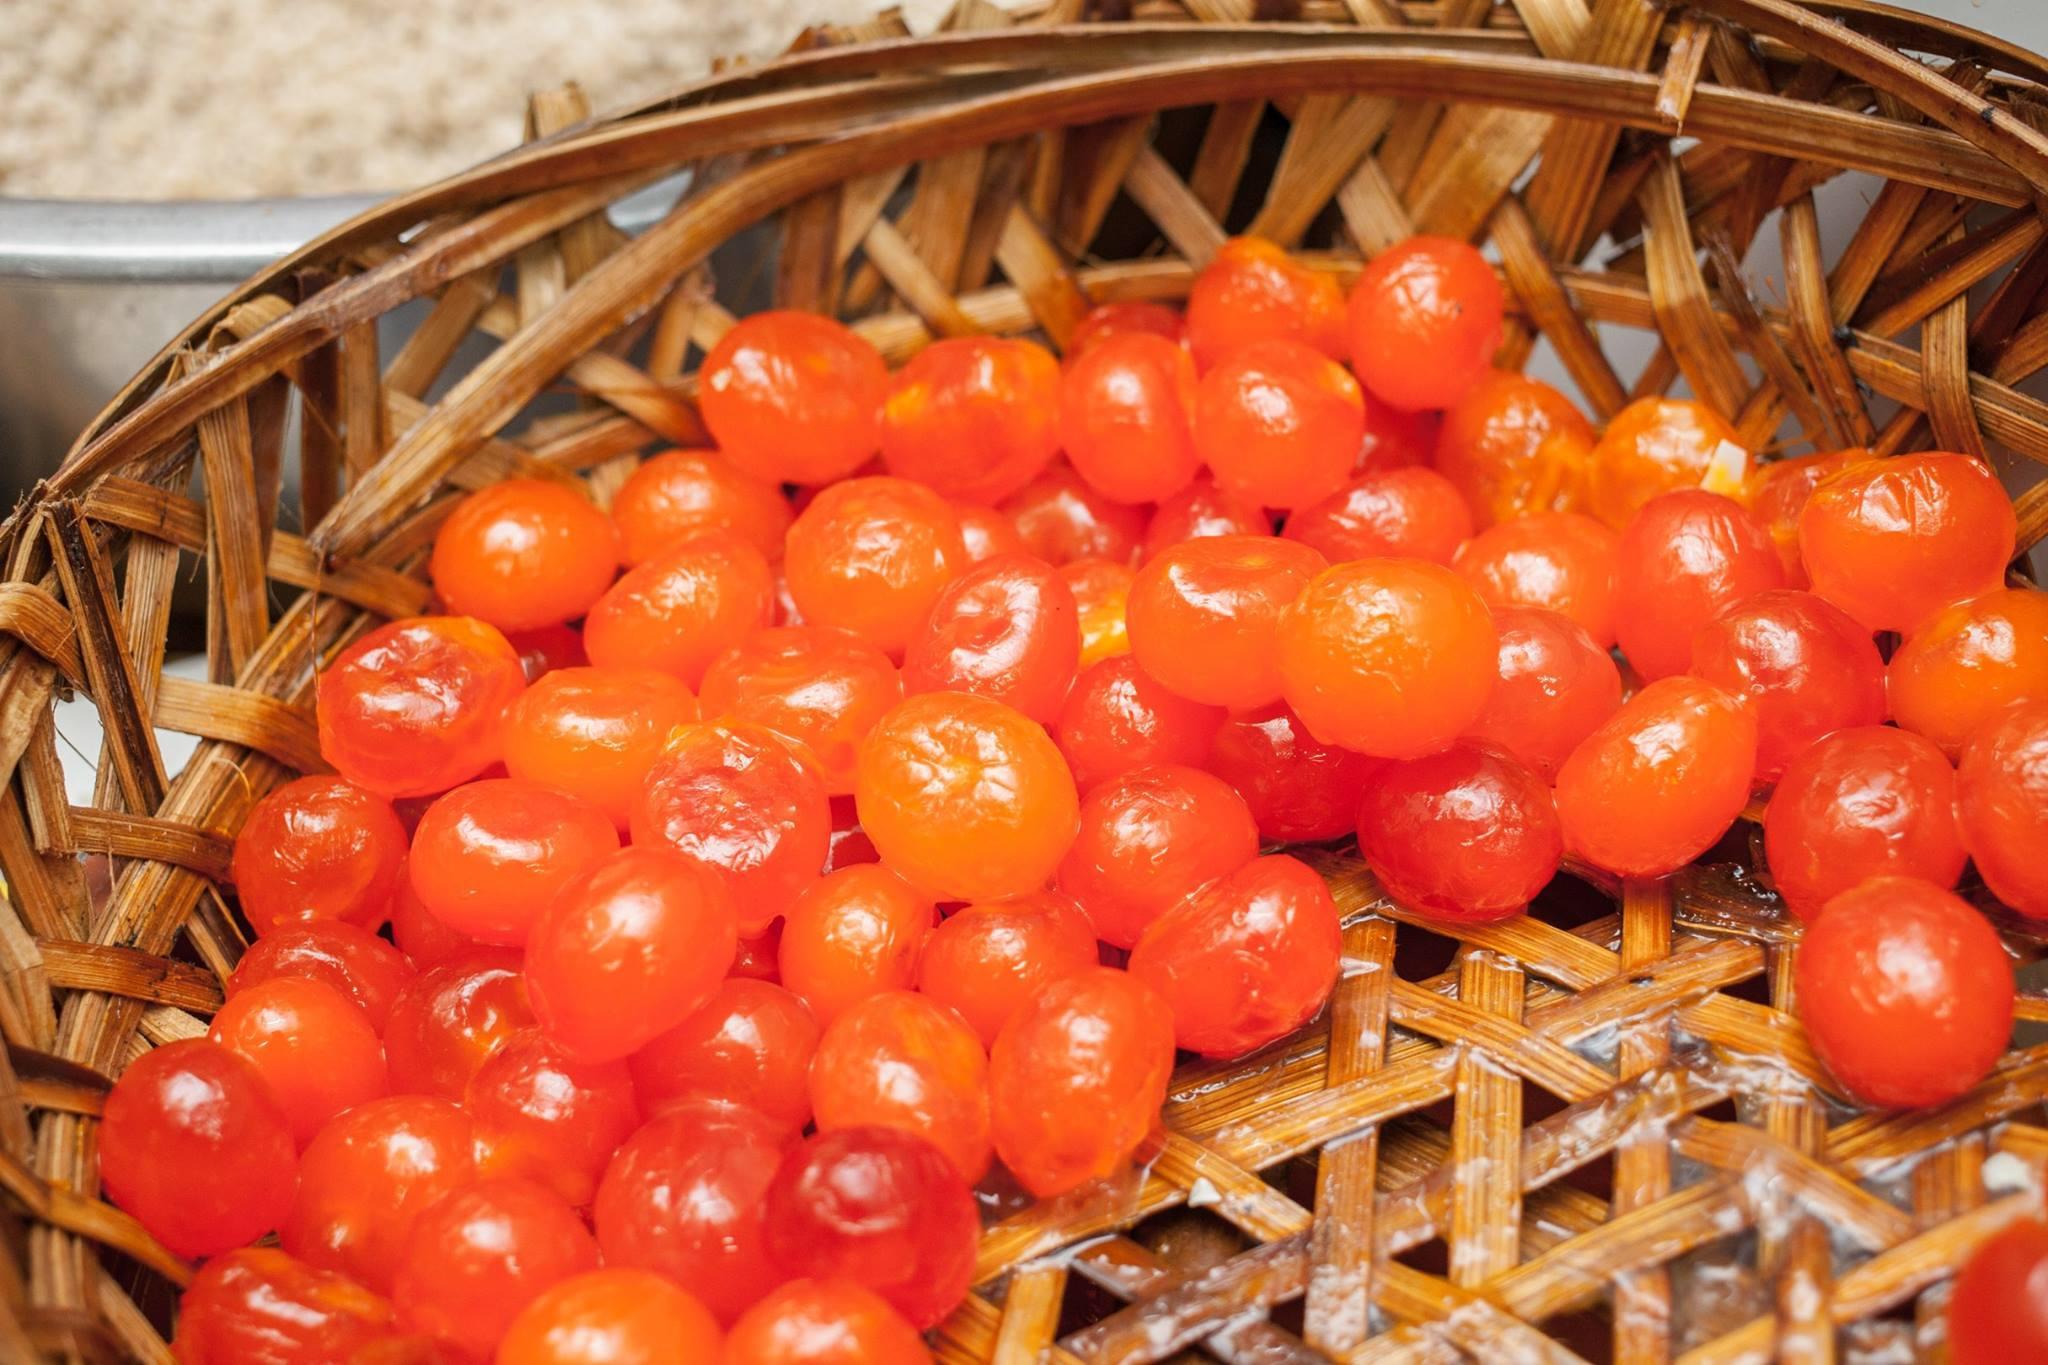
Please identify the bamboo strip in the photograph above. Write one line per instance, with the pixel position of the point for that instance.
(129, 972)
(1337, 1318)
(1030, 1314)
(1187, 223)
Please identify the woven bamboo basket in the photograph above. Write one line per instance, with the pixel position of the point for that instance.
(1596, 1131)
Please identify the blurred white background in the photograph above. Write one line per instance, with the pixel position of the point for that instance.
(2017, 21)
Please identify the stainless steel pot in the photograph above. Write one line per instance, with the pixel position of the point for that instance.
(91, 289)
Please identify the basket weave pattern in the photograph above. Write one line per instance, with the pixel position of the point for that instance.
(1596, 1131)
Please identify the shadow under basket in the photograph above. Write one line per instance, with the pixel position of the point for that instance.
(1596, 1131)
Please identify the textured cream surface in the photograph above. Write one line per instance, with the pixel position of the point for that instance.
(233, 98)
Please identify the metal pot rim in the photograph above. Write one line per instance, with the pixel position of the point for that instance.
(199, 241)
